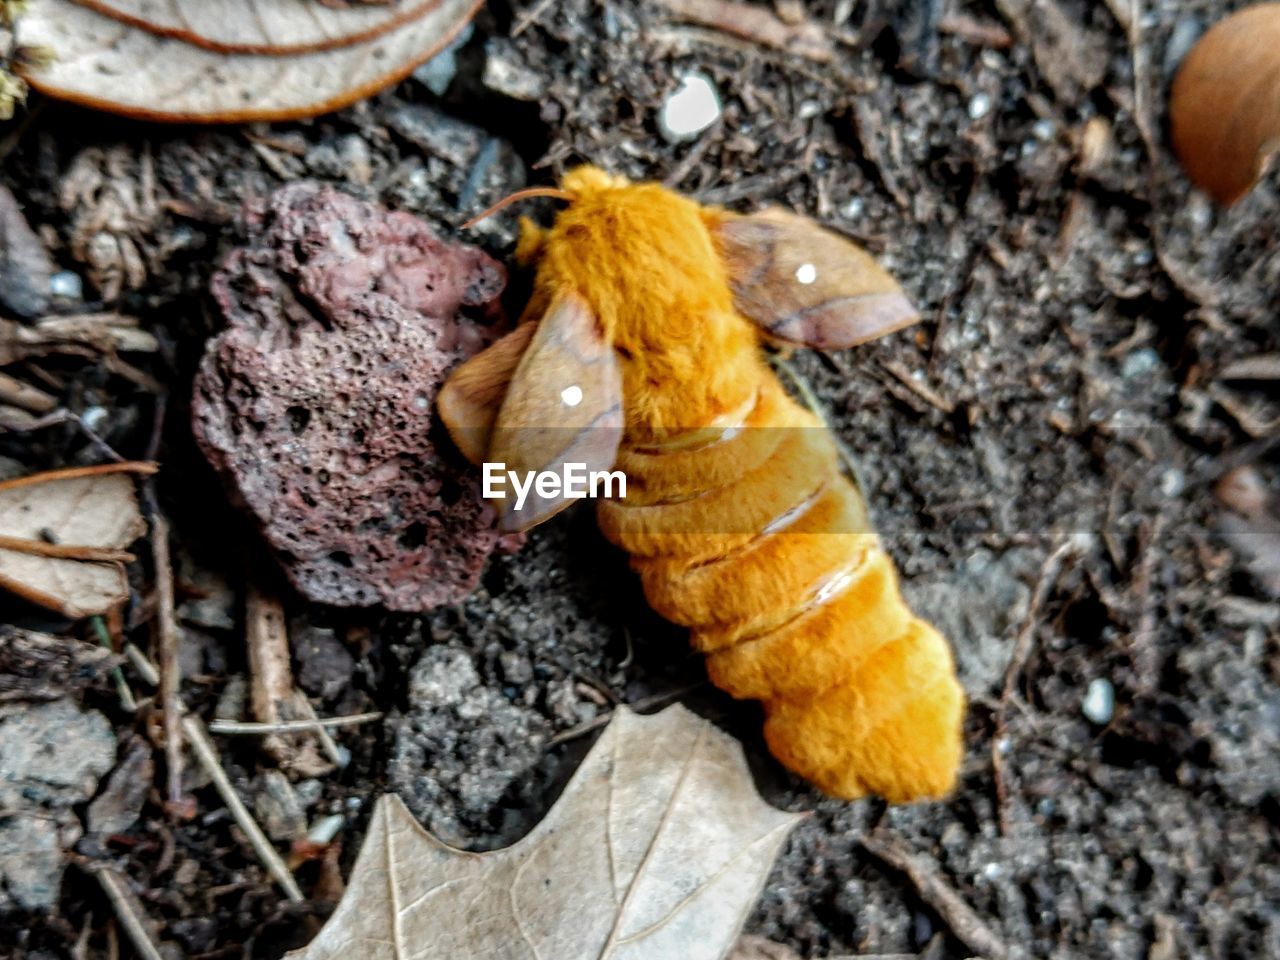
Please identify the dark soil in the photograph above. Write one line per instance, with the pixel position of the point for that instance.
(1064, 389)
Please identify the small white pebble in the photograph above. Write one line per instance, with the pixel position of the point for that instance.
(326, 828)
(420, 402)
(1172, 482)
(68, 284)
(853, 209)
(1139, 364)
(992, 870)
(689, 109)
(94, 417)
(1099, 701)
(809, 109)
(979, 106)
(1044, 130)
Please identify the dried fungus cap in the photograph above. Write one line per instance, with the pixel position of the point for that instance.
(1224, 105)
(316, 402)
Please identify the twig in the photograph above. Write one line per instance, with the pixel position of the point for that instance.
(170, 665)
(233, 727)
(530, 17)
(757, 25)
(271, 684)
(751, 188)
(1141, 88)
(74, 473)
(920, 389)
(1142, 649)
(67, 551)
(639, 706)
(127, 699)
(207, 755)
(330, 747)
(937, 893)
(981, 33)
(129, 911)
(146, 669)
(19, 394)
(1049, 573)
(686, 166)
(869, 128)
(84, 334)
(268, 652)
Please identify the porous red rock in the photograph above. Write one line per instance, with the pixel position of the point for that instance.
(316, 402)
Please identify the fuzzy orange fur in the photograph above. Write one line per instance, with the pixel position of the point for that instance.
(860, 696)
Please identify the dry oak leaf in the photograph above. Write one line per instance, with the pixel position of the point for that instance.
(63, 534)
(104, 63)
(1224, 105)
(657, 849)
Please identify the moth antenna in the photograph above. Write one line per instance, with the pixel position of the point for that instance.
(528, 193)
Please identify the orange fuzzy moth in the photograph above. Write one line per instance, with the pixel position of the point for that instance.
(640, 351)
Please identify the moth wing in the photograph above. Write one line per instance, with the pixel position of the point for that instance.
(470, 399)
(808, 285)
(564, 406)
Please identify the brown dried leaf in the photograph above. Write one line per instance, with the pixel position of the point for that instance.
(62, 536)
(1224, 105)
(109, 65)
(275, 28)
(657, 849)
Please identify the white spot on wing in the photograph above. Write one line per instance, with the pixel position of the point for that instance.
(572, 396)
(806, 273)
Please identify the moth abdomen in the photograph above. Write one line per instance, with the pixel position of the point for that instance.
(800, 610)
